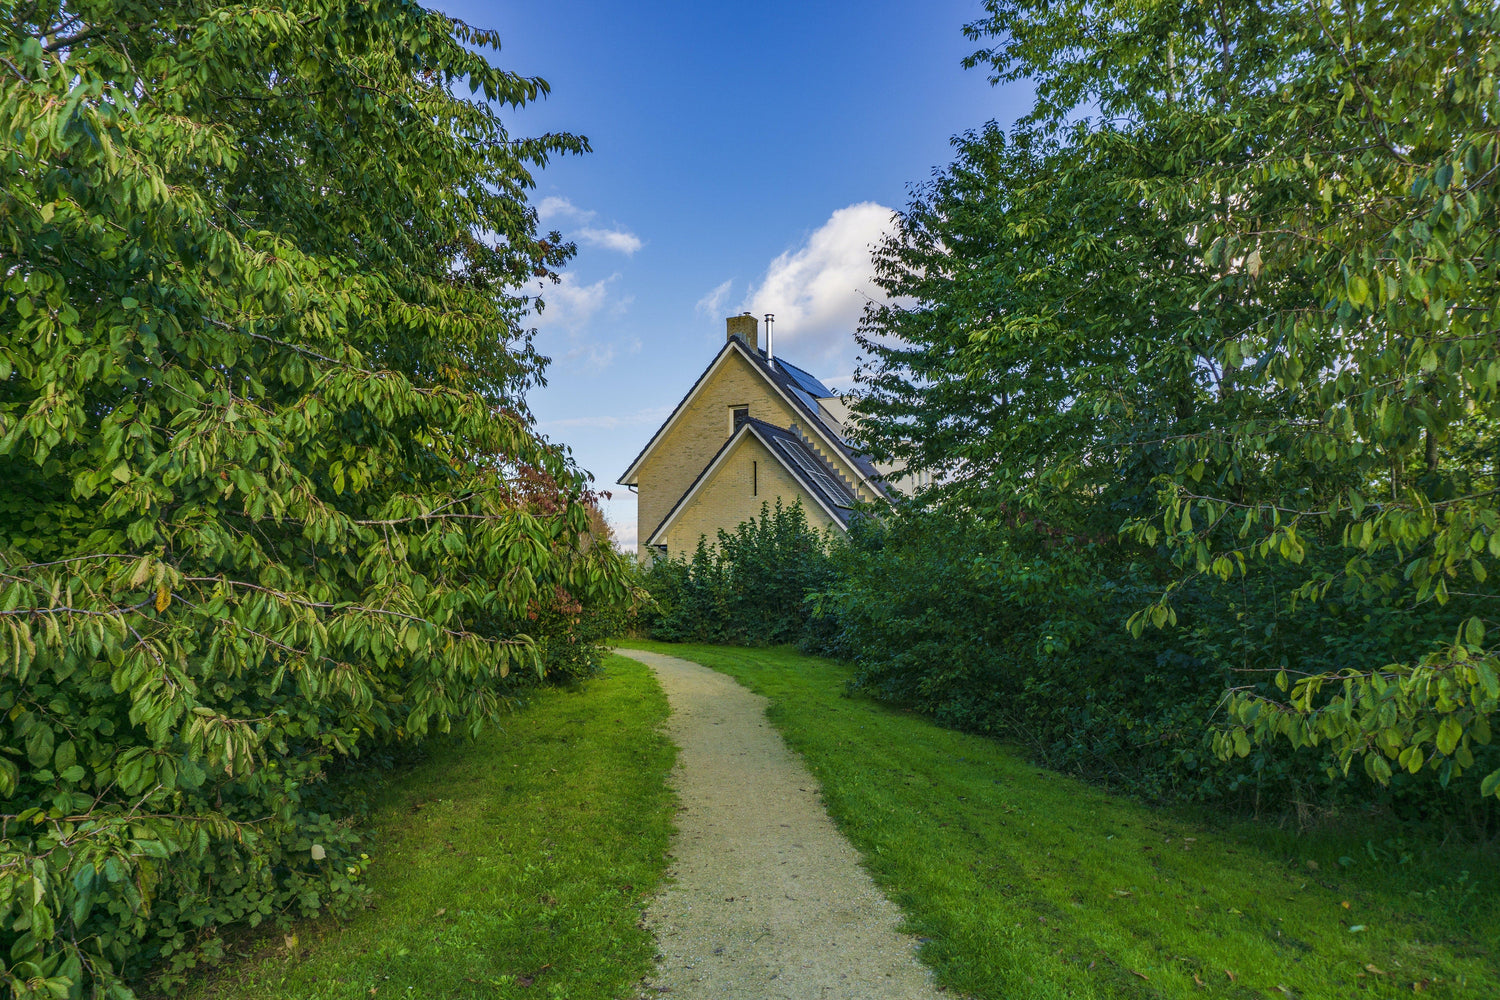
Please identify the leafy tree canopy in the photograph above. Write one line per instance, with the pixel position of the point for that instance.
(268, 484)
(1232, 285)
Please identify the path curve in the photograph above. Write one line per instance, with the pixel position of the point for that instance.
(768, 900)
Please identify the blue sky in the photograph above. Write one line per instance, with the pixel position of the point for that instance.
(745, 156)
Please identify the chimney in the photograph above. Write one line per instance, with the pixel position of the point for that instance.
(770, 341)
(744, 327)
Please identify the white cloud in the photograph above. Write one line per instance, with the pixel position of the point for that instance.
(712, 304)
(625, 534)
(553, 207)
(651, 415)
(570, 305)
(594, 354)
(819, 290)
(612, 239)
(572, 315)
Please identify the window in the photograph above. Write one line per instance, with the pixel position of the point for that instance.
(738, 415)
(754, 479)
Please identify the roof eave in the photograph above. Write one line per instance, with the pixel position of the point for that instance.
(630, 476)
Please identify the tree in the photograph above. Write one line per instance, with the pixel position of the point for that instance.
(1038, 341)
(267, 476)
(1240, 256)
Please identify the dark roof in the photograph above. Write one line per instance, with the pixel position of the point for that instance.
(811, 470)
(807, 382)
(814, 474)
(797, 388)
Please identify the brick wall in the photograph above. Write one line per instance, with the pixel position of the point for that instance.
(727, 499)
(700, 431)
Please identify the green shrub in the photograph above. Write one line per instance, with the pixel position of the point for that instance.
(750, 588)
(1018, 633)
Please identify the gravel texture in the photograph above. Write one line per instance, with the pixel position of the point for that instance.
(768, 900)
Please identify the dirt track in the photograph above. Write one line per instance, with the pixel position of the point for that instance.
(768, 899)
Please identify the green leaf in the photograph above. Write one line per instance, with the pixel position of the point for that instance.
(39, 743)
(1474, 632)
(84, 881)
(41, 921)
(1449, 733)
(1359, 290)
(152, 848)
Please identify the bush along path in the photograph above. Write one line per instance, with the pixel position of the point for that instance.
(509, 867)
(1027, 883)
(768, 900)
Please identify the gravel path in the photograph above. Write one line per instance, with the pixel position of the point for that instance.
(768, 901)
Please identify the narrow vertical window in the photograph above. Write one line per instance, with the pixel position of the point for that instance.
(755, 479)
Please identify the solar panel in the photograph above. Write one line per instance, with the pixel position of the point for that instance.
(803, 380)
(807, 398)
(836, 491)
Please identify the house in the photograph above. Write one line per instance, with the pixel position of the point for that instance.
(752, 429)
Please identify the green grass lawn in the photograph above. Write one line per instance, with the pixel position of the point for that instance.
(1031, 885)
(514, 866)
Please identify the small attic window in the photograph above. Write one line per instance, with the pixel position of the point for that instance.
(738, 415)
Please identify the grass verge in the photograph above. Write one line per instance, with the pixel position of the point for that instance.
(514, 866)
(1030, 884)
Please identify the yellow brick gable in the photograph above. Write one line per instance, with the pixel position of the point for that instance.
(699, 429)
(746, 477)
